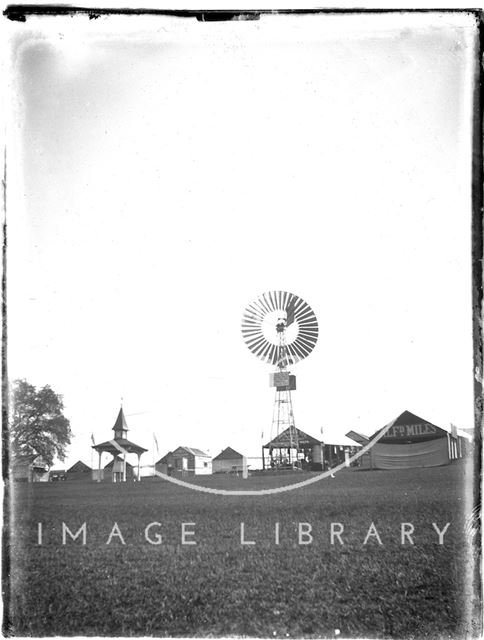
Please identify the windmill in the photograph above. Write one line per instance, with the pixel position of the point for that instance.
(281, 329)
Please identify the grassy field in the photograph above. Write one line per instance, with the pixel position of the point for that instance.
(219, 586)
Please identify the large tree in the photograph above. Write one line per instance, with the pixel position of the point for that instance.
(37, 423)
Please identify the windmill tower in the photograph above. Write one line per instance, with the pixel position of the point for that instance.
(281, 329)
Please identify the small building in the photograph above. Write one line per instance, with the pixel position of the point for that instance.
(114, 471)
(57, 475)
(185, 461)
(29, 468)
(166, 464)
(79, 472)
(229, 461)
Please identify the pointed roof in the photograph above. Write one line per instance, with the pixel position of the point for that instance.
(127, 445)
(229, 454)
(408, 427)
(196, 452)
(284, 439)
(118, 459)
(191, 450)
(166, 458)
(79, 466)
(120, 423)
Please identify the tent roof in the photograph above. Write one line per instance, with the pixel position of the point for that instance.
(228, 454)
(407, 419)
(79, 466)
(120, 422)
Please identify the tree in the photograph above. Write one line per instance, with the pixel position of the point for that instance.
(37, 424)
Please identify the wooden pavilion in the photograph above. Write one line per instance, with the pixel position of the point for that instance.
(119, 447)
(294, 449)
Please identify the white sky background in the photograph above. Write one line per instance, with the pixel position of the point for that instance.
(163, 173)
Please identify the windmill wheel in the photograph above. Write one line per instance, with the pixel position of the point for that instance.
(274, 312)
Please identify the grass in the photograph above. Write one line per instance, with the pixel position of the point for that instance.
(219, 587)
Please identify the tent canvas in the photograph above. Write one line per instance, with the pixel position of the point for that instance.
(409, 443)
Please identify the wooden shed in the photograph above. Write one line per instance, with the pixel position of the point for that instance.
(113, 471)
(185, 461)
(57, 475)
(229, 461)
(79, 472)
(29, 468)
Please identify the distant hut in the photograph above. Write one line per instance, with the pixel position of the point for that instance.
(29, 468)
(166, 464)
(79, 472)
(185, 461)
(229, 461)
(113, 471)
(57, 475)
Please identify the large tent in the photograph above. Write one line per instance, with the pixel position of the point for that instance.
(411, 442)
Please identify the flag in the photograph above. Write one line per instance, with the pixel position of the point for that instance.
(92, 439)
(156, 443)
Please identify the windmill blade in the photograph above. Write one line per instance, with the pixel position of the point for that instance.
(260, 333)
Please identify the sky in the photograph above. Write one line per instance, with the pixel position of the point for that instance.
(163, 173)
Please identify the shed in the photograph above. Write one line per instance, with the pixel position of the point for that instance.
(186, 461)
(79, 472)
(29, 468)
(57, 475)
(114, 470)
(229, 461)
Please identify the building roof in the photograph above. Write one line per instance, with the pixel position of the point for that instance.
(190, 450)
(120, 422)
(165, 458)
(33, 459)
(229, 454)
(78, 466)
(109, 465)
(193, 451)
(284, 440)
(126, 444)
(358, 437)
(24, 458)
